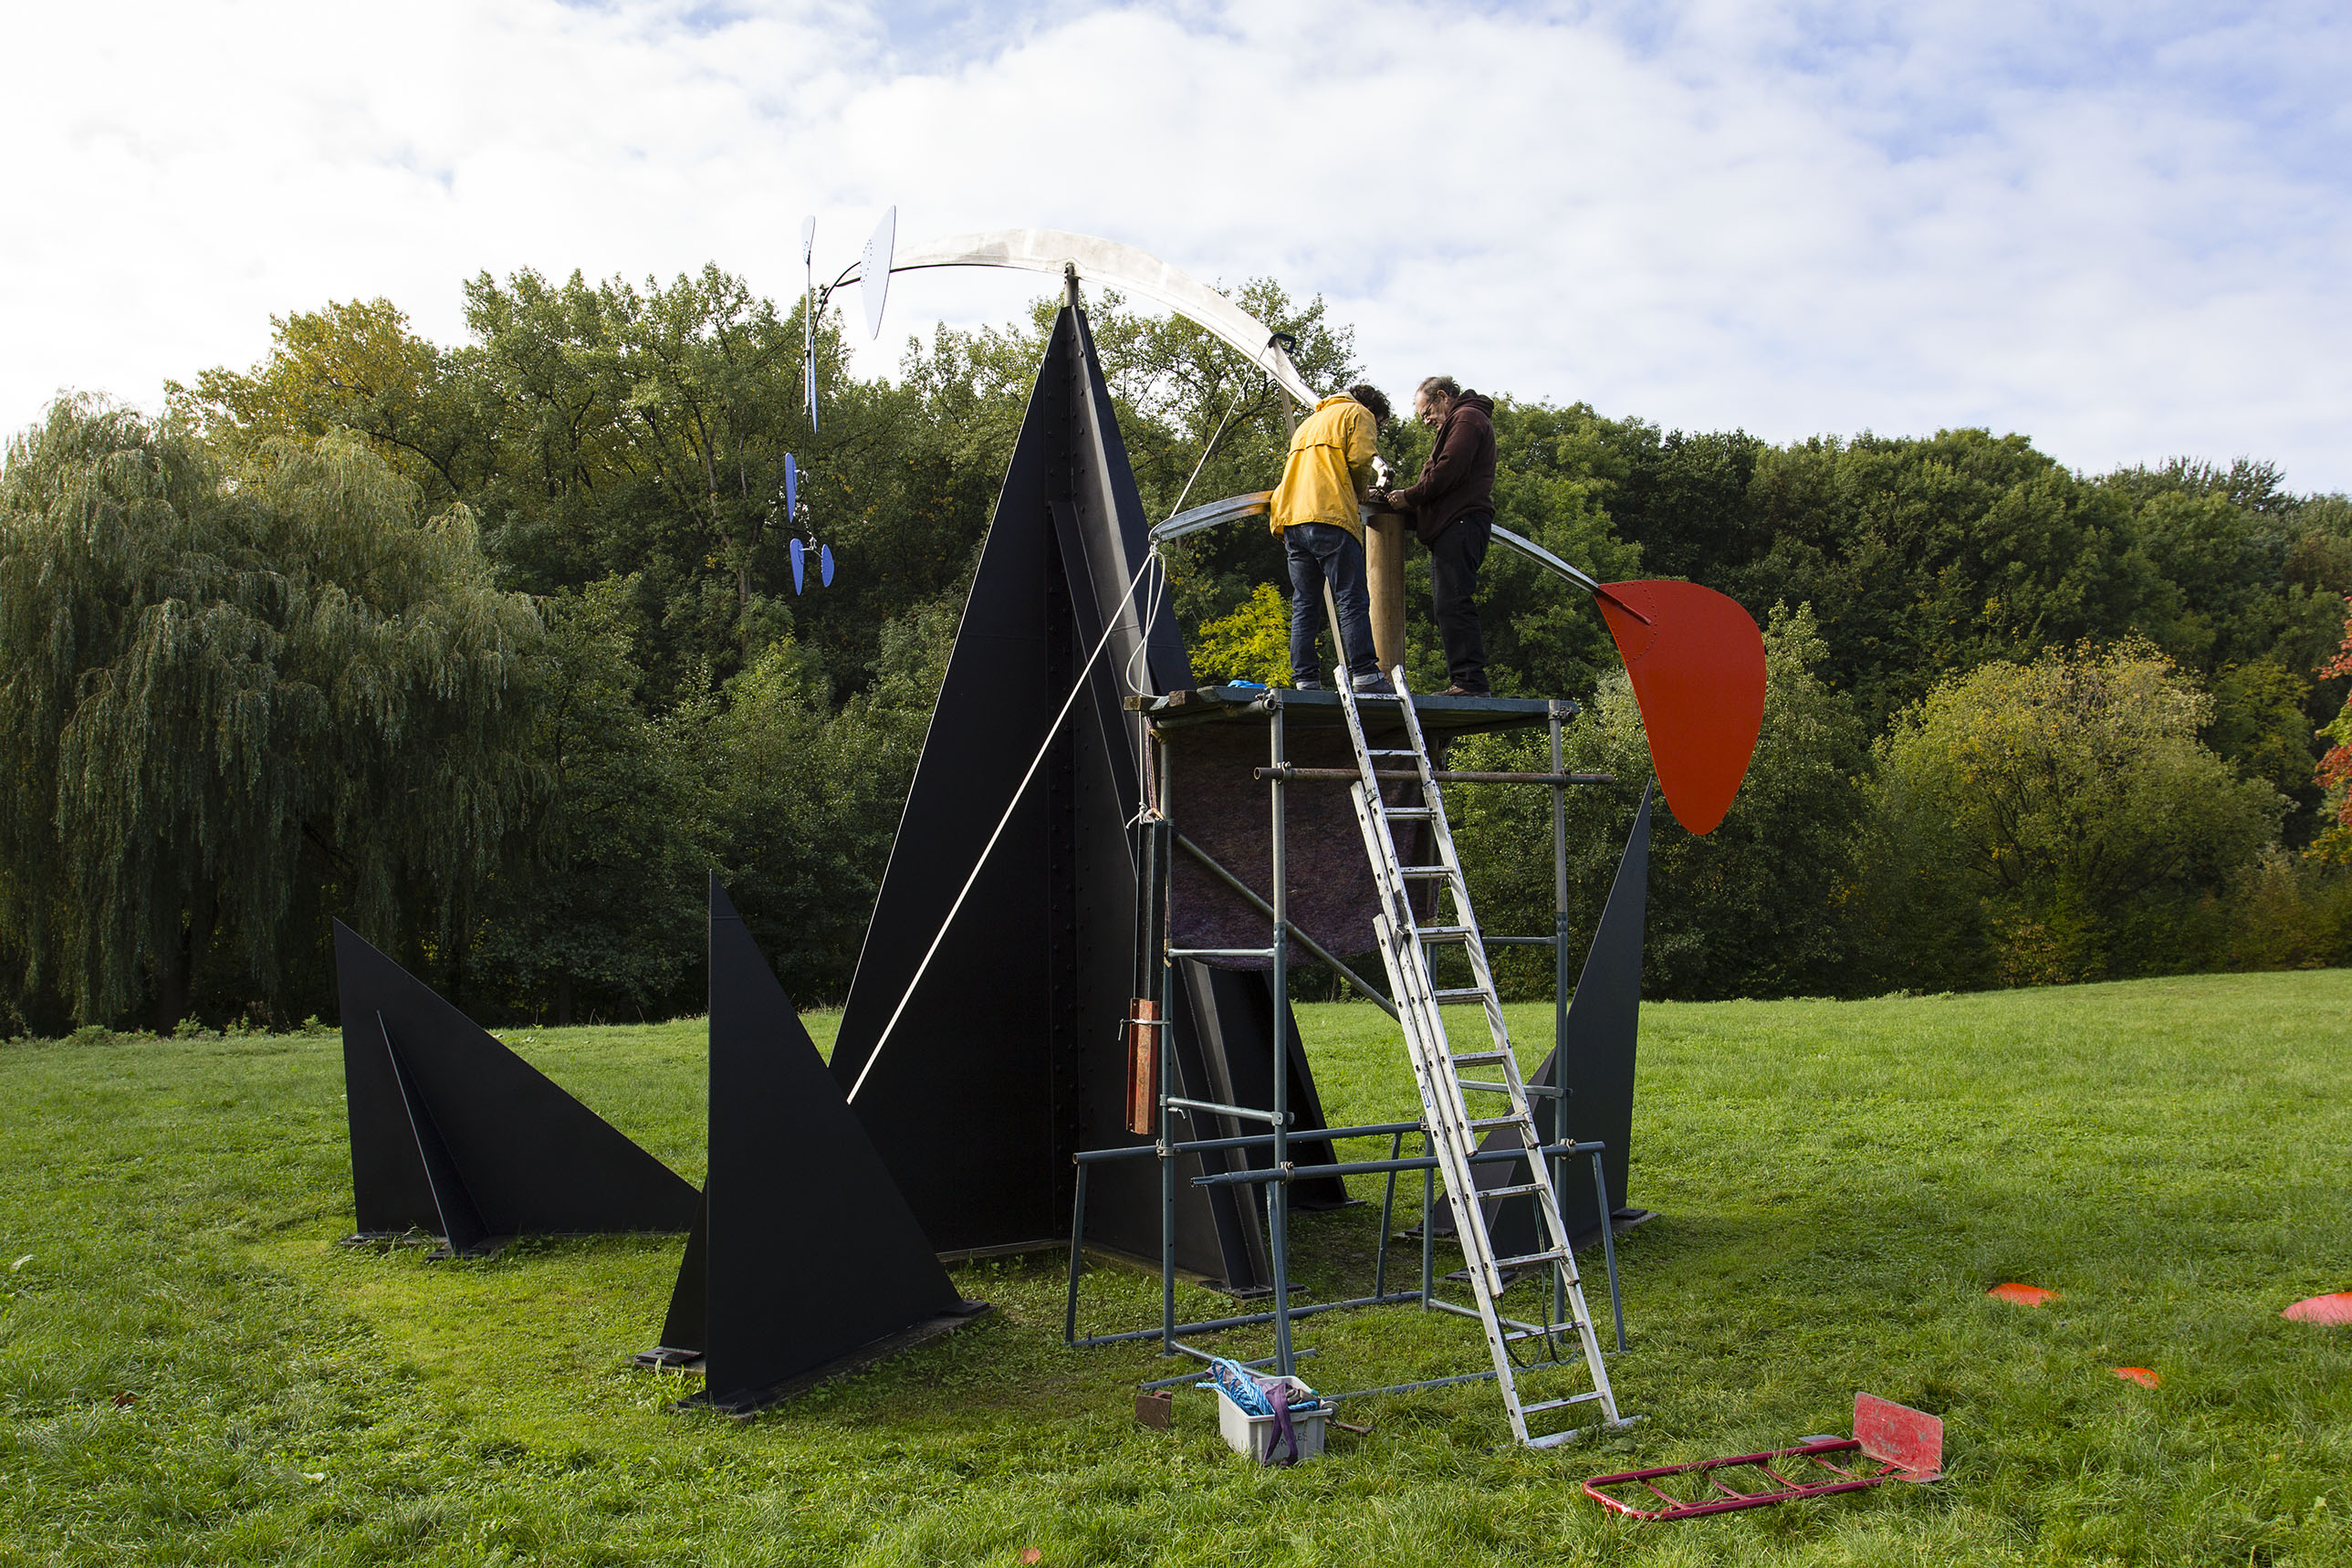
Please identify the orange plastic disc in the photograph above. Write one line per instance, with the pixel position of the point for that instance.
(2023, 1295)
(2138, 1374)
(2336, 1309)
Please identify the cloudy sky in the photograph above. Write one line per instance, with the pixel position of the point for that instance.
(2120, 228)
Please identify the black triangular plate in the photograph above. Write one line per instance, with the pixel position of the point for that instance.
(527, 1159)
(806, 1254)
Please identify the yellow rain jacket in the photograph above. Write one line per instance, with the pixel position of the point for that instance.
(1330, 464)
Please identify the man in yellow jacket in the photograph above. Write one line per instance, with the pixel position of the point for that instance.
(1317, 512)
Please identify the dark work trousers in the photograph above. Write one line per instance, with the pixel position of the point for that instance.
(1324, 553)
(1454, 557)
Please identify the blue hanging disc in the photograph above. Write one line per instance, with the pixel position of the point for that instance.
(791, 485)
(825, 566)
(796, 565)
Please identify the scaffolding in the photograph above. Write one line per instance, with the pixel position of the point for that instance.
(1164, 722)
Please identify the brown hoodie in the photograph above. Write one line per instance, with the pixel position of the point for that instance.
(1459, 477)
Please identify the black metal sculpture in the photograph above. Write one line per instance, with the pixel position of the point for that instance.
(804, 1260)
(1005, 1057)
(455, 1135)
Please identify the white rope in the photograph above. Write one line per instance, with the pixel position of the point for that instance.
(1238, 393)
(1142, 654)
(1126, 607)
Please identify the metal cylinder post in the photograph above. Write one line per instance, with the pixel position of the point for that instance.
(1609, 1246)
(1278, 1203)
(1428, 1219)
(1384, 583)
(1077, 1255)
(1167, 1090)
(1559, 982)
(1388, 1209)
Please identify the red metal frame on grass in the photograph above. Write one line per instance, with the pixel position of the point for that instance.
(1907, 1444)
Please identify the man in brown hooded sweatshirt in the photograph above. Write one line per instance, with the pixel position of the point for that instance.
(1452, 509)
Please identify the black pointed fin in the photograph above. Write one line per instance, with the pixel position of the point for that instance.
(533, 1159)
(812, 1252)
(687, 1327)
(461, 1224)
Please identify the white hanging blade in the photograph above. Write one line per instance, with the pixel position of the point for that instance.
(808, 240)
(1122, 267)
(874, 270)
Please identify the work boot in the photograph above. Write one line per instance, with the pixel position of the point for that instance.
(1464, 691)
(1373, 682)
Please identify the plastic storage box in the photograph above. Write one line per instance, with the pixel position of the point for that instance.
(1256, 1434)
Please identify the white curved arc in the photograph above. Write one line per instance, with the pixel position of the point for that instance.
(1123, 267)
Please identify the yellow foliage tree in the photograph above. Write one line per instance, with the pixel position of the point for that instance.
(1251, 644)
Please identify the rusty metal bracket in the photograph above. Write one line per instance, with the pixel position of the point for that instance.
(1907, 1444)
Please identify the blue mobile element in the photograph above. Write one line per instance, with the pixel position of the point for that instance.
(796, 565)
(825, 566)
(792, 487)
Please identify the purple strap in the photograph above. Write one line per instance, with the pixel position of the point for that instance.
(1277, 1394)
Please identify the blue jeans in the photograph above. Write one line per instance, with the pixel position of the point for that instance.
(1322, 552)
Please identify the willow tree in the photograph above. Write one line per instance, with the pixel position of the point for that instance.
(235, 702)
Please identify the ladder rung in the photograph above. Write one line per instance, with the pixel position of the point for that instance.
(1425, 871)
(1470, 1058)
(1510, 1192)
(1413, 810)
(1551, 1257)
(1559, 1404)
(1408, 752)
(1482, 1087)
(1555, 1439)
(1460, 993)
(1557, 1332)
(1447, 933)
(1516, 1119)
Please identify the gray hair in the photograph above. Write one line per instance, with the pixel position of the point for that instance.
(1443, 387)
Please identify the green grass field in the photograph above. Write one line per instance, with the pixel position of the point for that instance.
(1840, 1184)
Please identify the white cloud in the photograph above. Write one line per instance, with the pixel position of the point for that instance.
(2123, 231)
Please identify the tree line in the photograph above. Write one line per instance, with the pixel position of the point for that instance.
(494, 650)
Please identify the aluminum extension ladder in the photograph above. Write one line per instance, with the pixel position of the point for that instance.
(1445, 1093)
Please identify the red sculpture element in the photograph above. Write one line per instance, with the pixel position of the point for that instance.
(2023, 1295)
(1697, 664)
(2138, 1374)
